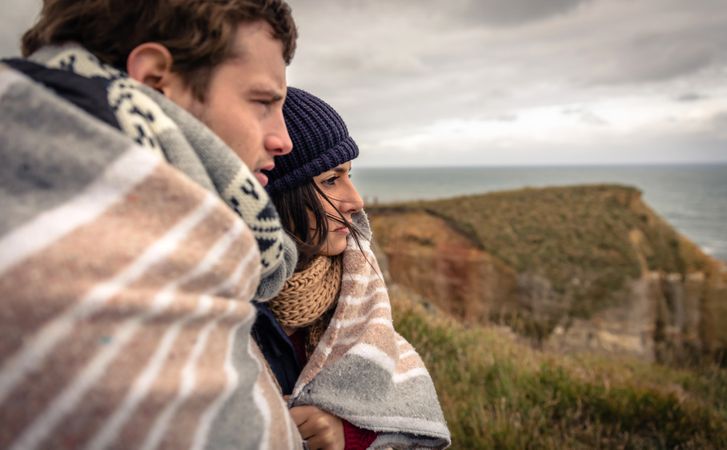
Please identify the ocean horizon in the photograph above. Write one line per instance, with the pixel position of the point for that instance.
(691, 197)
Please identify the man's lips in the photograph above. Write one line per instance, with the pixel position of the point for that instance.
(261, 177)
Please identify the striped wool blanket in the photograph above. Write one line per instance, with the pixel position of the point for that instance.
(158, 124)
(363, 371)
(125, 293)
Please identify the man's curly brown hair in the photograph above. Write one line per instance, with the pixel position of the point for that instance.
(198, 33)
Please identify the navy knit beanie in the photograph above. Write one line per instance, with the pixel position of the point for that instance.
(320, 142)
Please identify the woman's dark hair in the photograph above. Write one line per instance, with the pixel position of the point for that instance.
(293, 208)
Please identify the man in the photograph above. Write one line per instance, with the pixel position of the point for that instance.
(125, 271)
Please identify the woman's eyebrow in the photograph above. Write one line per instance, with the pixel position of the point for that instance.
(335, 171)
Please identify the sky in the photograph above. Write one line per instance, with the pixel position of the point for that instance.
(517, 82)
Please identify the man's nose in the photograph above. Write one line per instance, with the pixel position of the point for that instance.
(278, 141)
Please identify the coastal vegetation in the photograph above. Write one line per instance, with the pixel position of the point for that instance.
(500, 393)
(579, 232)
(580, 266)
(566, 317)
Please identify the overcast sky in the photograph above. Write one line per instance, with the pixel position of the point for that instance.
(492, 82)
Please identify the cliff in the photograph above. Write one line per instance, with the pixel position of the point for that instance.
(572, 268)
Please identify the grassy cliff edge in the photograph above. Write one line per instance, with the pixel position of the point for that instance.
(540, 260)
(498, 393)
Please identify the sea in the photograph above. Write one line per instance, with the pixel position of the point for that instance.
(693, 198)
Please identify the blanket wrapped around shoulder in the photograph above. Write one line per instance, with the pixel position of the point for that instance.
(158, 124)
(125, 294)
(363, 371)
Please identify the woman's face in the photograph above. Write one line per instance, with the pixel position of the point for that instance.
(336, 184)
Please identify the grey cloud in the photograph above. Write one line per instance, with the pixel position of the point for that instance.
(718, 125)
(586, 116)
(17, 16)
(394, 109)
(632, 148)
(506, 118)
(473, 12)
(655, 62)
(720, 119)
(593, 119)
(515, 12)
(9, 43)
(689, 97)
(374, 62)
(664, 55)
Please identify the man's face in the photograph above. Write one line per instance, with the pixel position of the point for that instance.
(244, 100)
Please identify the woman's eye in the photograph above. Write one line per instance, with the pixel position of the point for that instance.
(330, 181)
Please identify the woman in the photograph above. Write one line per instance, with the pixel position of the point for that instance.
(328, 335)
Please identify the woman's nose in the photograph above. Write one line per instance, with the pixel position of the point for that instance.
(354, 201)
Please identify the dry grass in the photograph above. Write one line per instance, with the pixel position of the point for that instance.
(498, 393)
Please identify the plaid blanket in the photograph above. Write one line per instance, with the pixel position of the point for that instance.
(125, 291)
(363, 371)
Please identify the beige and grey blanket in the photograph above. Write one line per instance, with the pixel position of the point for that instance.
(124, 294)
(363, 371)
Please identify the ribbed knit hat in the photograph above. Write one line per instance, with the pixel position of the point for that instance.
(320, 142)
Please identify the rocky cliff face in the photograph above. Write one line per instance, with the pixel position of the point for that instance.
(662, 318)
(655, 313)
(443, 265)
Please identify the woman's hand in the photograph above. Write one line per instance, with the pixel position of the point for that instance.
(320, 429)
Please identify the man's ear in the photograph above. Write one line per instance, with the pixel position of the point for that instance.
(151, 63)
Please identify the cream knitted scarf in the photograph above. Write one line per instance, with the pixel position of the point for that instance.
(308, 294)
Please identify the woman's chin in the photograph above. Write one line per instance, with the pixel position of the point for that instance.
(335, 245)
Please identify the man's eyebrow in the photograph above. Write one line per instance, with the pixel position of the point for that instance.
(273, 94)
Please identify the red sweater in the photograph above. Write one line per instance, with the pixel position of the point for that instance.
(355, 438)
